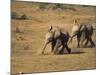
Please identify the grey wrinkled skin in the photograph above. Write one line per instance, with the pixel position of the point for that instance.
(84, 35)
(57, 38)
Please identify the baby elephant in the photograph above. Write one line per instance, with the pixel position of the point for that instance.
(84, 33)
(58, 39)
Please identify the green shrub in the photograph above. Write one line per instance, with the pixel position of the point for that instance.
(23, 17)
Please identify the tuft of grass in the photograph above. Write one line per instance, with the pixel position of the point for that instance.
(23, 17)
(16, 16)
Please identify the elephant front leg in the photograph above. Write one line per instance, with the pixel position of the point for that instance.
(57, 45)
(68, 49)
(92, 43)
(45, 45)
(78, 42)
(53, 45)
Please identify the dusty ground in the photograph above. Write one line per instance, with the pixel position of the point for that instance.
(28, 43)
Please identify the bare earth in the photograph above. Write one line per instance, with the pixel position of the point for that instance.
(27, 45)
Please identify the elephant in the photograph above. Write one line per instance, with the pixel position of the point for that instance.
(57, 38)
(84, 33)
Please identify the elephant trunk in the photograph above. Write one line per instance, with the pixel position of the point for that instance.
(45, 45)
(72, 36)
(71, 39)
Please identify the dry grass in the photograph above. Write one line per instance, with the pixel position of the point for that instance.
(27, 45)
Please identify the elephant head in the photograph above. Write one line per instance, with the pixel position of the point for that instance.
(49, 37)
(77, 30)
(83, 32)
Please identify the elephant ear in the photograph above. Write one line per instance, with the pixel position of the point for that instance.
(50, 28)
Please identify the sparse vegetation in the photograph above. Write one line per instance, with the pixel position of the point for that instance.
(53, 6)
(14, 15)
(23, 17)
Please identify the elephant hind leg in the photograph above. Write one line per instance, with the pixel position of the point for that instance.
(78, 41)
(62, 50)
(68, 49)
(91, 41)
(86, 42)
(53, 45)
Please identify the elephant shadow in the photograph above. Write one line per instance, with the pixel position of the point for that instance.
(72, 52)
(77, 52)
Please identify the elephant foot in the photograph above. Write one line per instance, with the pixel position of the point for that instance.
(55, 53)
(84, 46)
(89, 46)
(78, 46)
(52, 53)
(69, 51)
(93, 45)
(61, 52)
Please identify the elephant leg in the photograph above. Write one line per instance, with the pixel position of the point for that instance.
(67, 48)
(62, 50)
(57, 45)
(82, 41)
(53, 45)
(44, 47)
(91, 41)
(78, 42)
(86, 42)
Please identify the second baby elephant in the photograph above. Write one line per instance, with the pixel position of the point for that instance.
(84, 32)
(57, 38)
